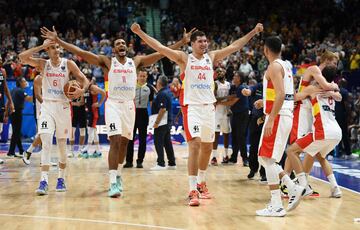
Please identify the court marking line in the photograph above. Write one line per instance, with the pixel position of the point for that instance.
(88, 220)
(350, 190)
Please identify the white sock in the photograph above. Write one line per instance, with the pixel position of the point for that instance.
(31, 148)
(192, 183)
(201, 176)
(112, 174)
(286, 180)
(226, 151)
(45, 176)
(214, 153)
(61, 173)
(276, 198)
(119, 171)
(332, 180)
(302, 179)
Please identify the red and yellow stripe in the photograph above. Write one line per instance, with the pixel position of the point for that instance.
(318, 126)
(181, 94)
(270, 97)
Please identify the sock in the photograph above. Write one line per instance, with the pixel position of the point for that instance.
(201, 176)
(119, 171)
(226, 151)
(30, 149)
(45, 176)
(288, 182)
(214, 153)
(112, 174)
(85, 148)
(61, 173)
(276, 197)
(302, 179)
(192, 183)
(332, 180)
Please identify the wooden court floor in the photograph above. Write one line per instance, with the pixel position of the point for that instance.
(157, 200)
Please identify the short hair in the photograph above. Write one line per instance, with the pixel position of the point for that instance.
(196, 34)
(274, 44)
(329, 73)
(163, 80)
(241, 76)
(327, 56)
(19, 80)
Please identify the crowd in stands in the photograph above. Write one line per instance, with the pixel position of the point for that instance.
(307, 29)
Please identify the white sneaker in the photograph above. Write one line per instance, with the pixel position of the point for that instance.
(2, 161)
(295, 196)
(271, 211)
(158, 168)
(308, 191)
(335, 192)
(171, 167)
(71, 154)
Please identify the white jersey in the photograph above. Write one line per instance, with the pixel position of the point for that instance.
(198, 82)
(121, 83)
(269, 93)
(325, 126)
(53, 81)
(223, 90)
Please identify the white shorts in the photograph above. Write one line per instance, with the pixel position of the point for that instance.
(222, 124)
(38, 109)
(312, 147)
(302, 123)
(55, 117)
(199, 121)
(120, 118)
(274, 145)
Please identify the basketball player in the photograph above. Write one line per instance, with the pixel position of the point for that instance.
(92, 111)
(303, 119)
(197, 99)
(55, 110)
(278, 107)
(120, 82)
(4, 91)
(325, 135)
(222, 118)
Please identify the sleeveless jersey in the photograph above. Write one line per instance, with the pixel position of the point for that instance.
(325, 126)
(269, 93)
(53, 81)
(223, 90)
(121, 84)
(197, 82)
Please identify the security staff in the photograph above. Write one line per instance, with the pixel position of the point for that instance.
(19, 97)
(144, 96)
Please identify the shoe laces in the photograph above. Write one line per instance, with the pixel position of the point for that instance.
(43, 185)
(203, 188)
(193, 194)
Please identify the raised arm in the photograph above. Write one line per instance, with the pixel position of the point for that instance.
(177, 56)
(26, 56)
(236, 45)
(147, 60)
(99, 60)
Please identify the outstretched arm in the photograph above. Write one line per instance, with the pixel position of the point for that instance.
(236, 45)
(147, 60)
(99, 60)
(175, 55)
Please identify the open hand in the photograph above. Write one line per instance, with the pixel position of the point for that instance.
(48, 34)
(187, 35)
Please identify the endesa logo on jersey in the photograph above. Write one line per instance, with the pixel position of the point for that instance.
(200, 86)
(198, 67)
(55, 91)
(122, 71)
(124, 88)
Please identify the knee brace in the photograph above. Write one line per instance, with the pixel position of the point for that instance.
(82, 132)
(46, 140)
(271, 169)
(61, 143)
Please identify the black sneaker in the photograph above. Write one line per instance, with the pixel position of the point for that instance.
(128, 165)
(263, 180)
(139, 166)
(225, 160)
(245, 163)
(251, 175)
(10, 154)
(26, 157)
